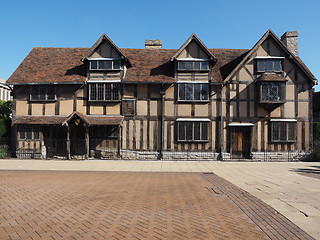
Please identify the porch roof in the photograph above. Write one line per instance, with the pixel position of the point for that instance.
(59, 120)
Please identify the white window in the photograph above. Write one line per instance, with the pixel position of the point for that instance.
(43, 93)
(193, 65)
(269, 65)
(282, 131)
(193, 91)
(189, 131)
(105, 65)
(272, 92)
(104, 92)
(29, 132)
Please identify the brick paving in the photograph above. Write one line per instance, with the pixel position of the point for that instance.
(120, 205)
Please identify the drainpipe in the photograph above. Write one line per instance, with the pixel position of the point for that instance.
(162, 92)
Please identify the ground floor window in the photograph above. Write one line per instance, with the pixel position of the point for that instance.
(282, 131)
(104, 132)
(29, 132)
(190, 131)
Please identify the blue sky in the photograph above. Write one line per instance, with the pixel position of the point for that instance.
(219, 24)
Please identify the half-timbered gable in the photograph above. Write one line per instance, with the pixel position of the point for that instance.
(193, 102)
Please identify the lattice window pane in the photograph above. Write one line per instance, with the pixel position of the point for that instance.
(182, 130)
(128, 107)
(283, 131)
(42, 93)
(115, 91)
(189, 91)
(275, 136)
(291, 131)
(102, 64)
(108, 64)
(264, 92)
(197, 91)
(181, 90)
(196, 66)
(50, 93)
(116, 64)
(108, 92)
(204, 131)
(100, 91)
(261, 65)
(181, 65)
(269, 65)
(189, 65)
(94, 64)
(35, 93)
(196, 131)
(273, 92)
(36, 134)
(22, 132)
(277, 65)
(189, 130)
(205, 91)
(93, 92)
(28, 133)
(205, 65)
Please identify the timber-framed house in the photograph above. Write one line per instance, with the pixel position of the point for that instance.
(194, 103)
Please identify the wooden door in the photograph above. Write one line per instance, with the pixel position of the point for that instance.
(240, 142)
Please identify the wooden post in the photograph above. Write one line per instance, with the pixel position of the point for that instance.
(87, 141)
(68, 141)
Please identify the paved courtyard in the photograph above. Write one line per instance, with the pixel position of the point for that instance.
(129, 205)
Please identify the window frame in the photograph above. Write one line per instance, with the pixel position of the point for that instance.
(267, 59)
(281, 91)
(280, 126)
(104, 132)
(45, 95)
(113, 92)
(191, 61)
(186, 127)
(33, 130)
(105, 64)
(192, 93)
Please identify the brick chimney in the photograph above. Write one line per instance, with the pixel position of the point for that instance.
(153, 44)
(290, 39)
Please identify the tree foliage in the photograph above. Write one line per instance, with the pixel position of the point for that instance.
(5, 109)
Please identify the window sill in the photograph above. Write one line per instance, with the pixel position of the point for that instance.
(42, 101)
(106, 70)
(104, 101)
(282, 142)
(193, 141)
(190, 70)
(272, 102)
(193, 101)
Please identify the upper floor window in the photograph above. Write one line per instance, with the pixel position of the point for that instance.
(104, 91)
(272, 92)
(128, 107)
(105, 65)
(43, 93)
(193, 91)
(193, 65)
(269, 64)
(283, 131)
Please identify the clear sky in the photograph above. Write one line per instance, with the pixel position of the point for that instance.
(219, 24)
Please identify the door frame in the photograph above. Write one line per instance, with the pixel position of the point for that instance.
(246, 140)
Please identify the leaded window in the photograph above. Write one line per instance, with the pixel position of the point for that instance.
(104, 91)
(105, 65)
(269, 65)
(189, 131)
(104, 132)
(29, 132)
(193, 92)
(128, 107)
(193, 65)
(43, 93)
(272, 92)
(283, 131)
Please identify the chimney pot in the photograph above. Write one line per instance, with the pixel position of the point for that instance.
(153, 44)
(290, 39)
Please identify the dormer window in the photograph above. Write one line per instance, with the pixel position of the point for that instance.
(193, 65)
(105, 64)
(269, 64)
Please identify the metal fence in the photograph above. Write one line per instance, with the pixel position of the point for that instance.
(57, 149)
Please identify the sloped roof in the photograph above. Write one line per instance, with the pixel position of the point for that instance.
(201, 44)
(61, 120)
(296, 59)
(64, 65)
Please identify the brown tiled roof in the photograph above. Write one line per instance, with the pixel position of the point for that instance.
(41, 120)
(59, 120)
(51, 65)
(63, 65)
(271, 77)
